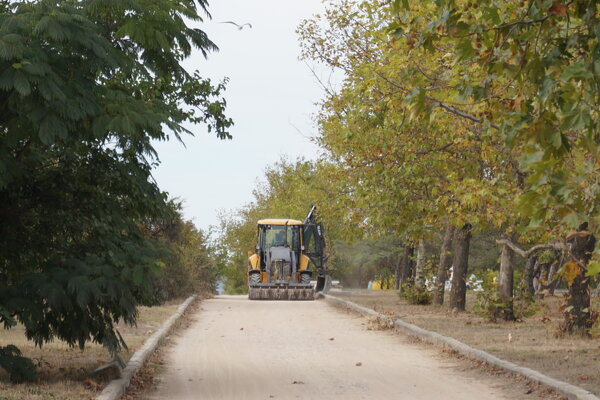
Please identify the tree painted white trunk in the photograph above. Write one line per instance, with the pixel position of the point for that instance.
(419, 278)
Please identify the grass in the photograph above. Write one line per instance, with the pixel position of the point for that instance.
(533, 343)
(63, 371)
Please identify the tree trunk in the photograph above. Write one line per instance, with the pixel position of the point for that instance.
(460, 263)
(543, 271)
(397, 274)
(552, 281)
(578, 315)
(505, 284)
(407, 266)
(398, 271)
(444, 266)
(530, 274)
(419, 280)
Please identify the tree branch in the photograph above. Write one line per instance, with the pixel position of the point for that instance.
(460, 113)
(527, 253)
(437, 103)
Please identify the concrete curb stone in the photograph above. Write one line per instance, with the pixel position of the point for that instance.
(116, 388)
(572, 392)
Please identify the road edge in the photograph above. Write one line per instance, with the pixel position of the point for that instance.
(117, 388)
(572, 392)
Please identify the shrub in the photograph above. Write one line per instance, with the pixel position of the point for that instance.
(490, 305)
(20, 368)
(419, 295)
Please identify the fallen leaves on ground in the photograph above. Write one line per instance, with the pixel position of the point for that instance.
(92, 385)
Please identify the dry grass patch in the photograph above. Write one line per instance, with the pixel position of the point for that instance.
(63, 371)
(532, 343)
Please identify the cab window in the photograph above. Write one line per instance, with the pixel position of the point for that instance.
(278, 235)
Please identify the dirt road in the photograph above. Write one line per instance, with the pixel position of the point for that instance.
(241, 349)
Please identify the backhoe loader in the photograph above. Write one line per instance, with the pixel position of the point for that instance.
(288, 252)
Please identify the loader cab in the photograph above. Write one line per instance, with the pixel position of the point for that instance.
(278, 233)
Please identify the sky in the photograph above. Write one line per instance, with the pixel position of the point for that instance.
(271, 97)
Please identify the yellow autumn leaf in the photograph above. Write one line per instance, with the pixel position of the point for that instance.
(570, 271)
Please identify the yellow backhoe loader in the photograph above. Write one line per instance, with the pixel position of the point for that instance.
(288, 253)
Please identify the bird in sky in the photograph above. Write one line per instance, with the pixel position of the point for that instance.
(240, 27)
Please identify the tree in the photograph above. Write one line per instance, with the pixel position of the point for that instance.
(544, 55)
(85, 86)
(187, 265)
(414, 167)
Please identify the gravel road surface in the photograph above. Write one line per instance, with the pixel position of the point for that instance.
(241, 349)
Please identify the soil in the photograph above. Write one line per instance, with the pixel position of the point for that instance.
(533, 343)
(147, 379)
(241, 349)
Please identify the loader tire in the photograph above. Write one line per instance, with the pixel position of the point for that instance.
(254, 278)
(305, 279)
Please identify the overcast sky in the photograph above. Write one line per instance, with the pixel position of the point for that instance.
(271, 96)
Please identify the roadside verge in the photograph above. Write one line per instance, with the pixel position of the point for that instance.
(572, 392)
(116, 388)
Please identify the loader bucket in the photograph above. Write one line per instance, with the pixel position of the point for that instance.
(281, 293)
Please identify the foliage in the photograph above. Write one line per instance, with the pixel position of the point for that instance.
(84, 88)
(484, 253)
(187, 266)
(535, 83)
(412, 172)
(20, 369)
(419, 295)
(569, 271)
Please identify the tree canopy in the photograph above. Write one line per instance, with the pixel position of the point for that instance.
(535, 83)
(85, 86)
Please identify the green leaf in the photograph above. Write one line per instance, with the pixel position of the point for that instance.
(556, 139)
(593, 268)
(11, 46)
(464, 50)
(578, 118)
(578, 71)
(397, 5)
(21, 83)
(572, 220)
(50, 128)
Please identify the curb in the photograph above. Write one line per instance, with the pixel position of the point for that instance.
(572, 392)
(116, 388)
